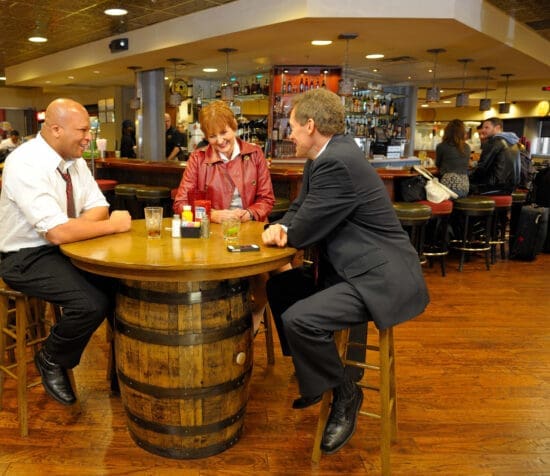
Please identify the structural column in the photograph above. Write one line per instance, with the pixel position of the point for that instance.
(150, 130)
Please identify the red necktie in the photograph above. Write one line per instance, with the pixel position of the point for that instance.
(71, 213)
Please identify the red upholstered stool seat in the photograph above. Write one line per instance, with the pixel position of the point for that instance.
(436, 241)
(106, 185)
(443, 208)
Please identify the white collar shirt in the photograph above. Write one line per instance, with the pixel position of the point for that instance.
(34, 199)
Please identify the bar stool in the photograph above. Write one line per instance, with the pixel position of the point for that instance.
(437, 236)
(385, 366)
(279, 209)
(154, 196)
(413, 217)
(503, 204)
(519, 198)
(25, 325)
(467, 210)
(125, 199)
(107, 186)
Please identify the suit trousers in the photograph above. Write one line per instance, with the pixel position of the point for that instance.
(86, 299)
(306, 317)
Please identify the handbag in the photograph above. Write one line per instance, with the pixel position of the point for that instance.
(413, 189)
(436, 192)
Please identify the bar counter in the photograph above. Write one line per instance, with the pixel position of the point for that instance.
(286, 178)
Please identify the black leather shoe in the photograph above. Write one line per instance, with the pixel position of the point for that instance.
(304, 402)
(342, 420)
(55, 379)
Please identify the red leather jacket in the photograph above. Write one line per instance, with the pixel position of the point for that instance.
(248, 172)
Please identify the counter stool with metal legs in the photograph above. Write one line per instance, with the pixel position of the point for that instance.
(413, 217)
(125, 199)
(385, 367)
(437, 236)
(474, 216)
(499, 225)
(519, 198)
(154, 196)
(22, 326)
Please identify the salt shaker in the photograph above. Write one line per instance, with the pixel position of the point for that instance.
(176, 226)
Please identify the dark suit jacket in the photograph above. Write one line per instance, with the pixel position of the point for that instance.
(344, 207)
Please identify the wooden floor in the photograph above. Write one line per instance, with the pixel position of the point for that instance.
(473, 379)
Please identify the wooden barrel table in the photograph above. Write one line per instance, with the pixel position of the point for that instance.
(183, 341)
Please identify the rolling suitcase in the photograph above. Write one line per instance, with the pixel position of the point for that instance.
(530, 234)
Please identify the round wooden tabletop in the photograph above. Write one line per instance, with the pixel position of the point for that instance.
(132, 255)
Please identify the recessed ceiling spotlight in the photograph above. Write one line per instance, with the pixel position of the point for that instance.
(375, 70)
(96, 71)
(321, 42)
(424, 105)
(70, 77)
(116, 12)
(2, 77)
(374, 56)
(210, 70)
(37, 39)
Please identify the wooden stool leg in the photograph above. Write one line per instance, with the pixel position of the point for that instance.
(387, 398)
(341, 339)
(268, 323)
(21, 306)
(4, 306)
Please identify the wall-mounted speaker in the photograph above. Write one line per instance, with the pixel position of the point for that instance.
(120, 44)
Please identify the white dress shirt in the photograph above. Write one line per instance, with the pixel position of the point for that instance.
(33, 198)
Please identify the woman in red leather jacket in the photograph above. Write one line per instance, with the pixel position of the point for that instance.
(233, 173)
(235, 177)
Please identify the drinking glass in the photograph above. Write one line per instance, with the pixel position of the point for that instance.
(230, 230)
(153, 221)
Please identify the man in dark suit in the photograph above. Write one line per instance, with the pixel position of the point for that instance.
(368, 269)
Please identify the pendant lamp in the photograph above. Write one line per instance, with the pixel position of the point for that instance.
(432, 94)
(345, 86)
(463, 98)
(504, 107)
(485, 104)
(226, 87)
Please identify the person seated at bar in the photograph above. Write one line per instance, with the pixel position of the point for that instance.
(233, 175)
(452, 158)
(128, 140)
(367, 268)
(499, 167)
(49, 197)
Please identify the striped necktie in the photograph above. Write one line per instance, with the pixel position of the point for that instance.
(71, 213)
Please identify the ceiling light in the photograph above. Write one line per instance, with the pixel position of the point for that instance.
(374, 56)
(37, 39)
(463, 98)
(210, 70)
(504, 107)
(116, 12)
(321, 42)
(485, 104)
(345, 85)
(2, 77)
(433, 93)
